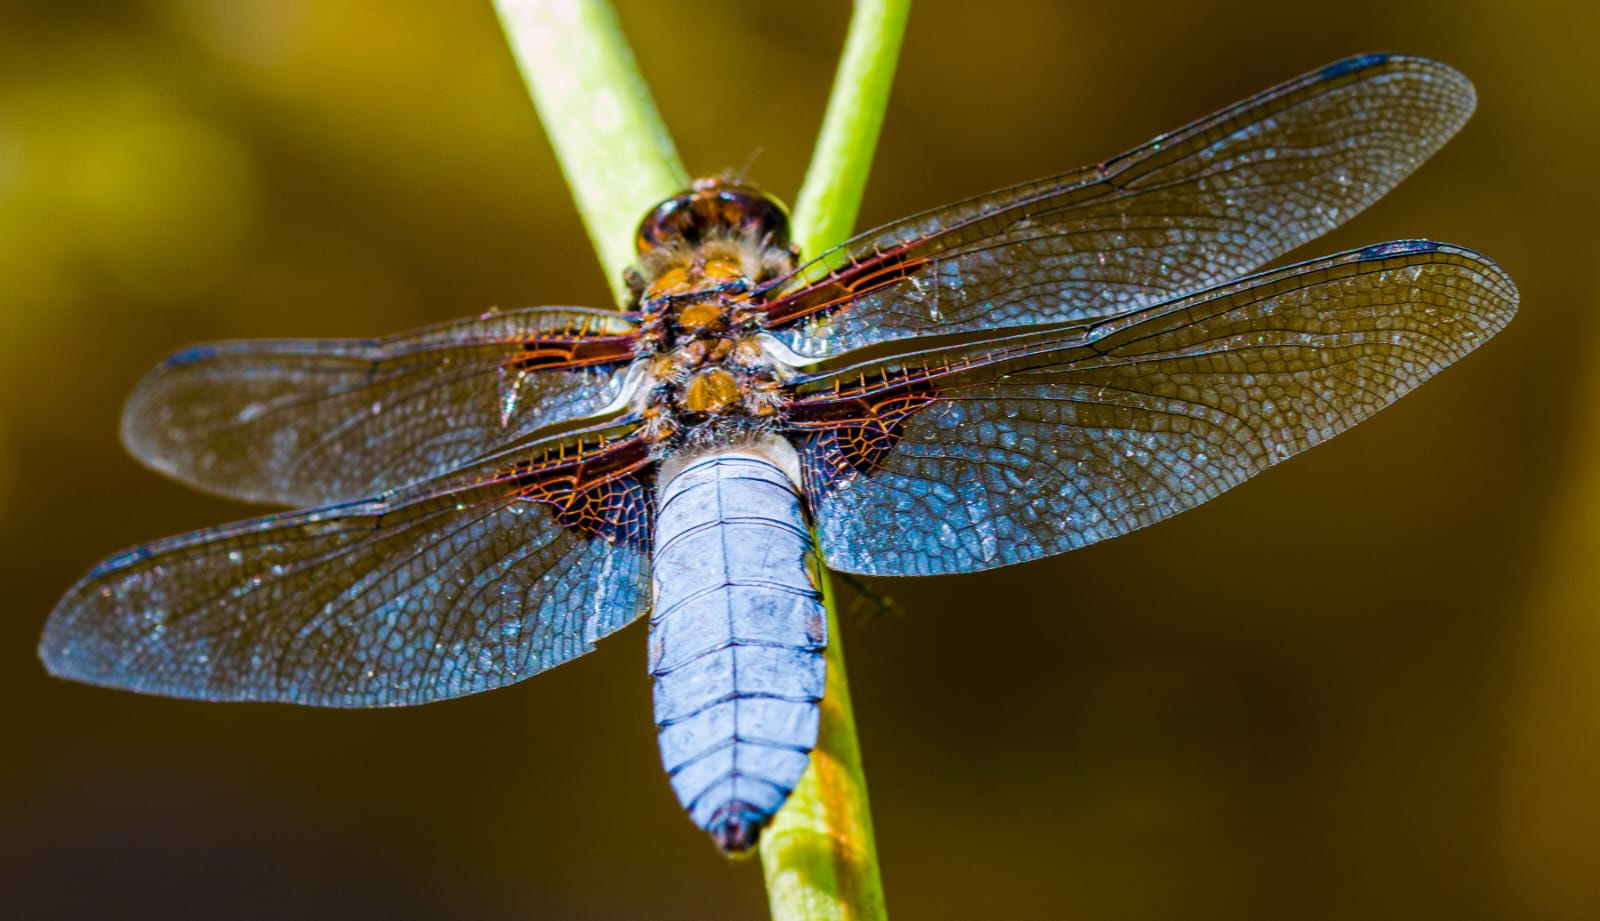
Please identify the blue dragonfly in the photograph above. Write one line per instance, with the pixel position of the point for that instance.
(1009, 377)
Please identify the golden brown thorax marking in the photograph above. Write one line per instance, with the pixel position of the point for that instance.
(711, 391)
(697, 317)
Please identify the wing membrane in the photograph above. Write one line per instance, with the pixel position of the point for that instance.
(960, 460)
(426, 593)
(1187, 211)
(306, 422)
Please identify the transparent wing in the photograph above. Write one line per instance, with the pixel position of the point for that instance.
(428, 592)
(967, 459)
(1187, 211)
(307, 422)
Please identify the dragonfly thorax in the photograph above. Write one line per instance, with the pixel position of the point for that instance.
(704, 257)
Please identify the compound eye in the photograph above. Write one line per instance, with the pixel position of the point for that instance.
(713, 207)
(668, 221)
(763, 215)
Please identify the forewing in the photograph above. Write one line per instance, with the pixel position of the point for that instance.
(308, 422)
(426, 593)
(959, 460)
(1187, 211)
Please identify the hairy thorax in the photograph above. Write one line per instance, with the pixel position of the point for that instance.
(710, 375)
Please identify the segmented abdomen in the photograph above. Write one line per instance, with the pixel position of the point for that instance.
(736, 642)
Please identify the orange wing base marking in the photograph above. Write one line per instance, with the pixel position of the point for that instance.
(601, 489)
(852, 431)
(847, 284)
(548, 354)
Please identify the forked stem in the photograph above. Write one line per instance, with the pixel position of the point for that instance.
(818, 855)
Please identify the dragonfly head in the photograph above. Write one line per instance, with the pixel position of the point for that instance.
(711, 209)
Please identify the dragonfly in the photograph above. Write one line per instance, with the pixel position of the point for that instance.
(992, 382)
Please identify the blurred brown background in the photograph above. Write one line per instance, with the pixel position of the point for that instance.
(1367, 685)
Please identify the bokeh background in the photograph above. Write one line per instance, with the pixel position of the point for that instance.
(1367, 685)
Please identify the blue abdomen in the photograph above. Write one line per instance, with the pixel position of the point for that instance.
(736, 641)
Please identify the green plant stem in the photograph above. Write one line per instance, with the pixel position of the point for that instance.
(614, 150)
(830, 198)
(819, 856)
